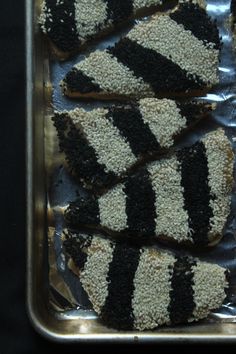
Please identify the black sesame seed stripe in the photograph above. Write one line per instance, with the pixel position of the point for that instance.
(196, 20)
(140, 204)
(77, 81)
(194, 179)
(119, 10)
(132, 127)
(182, 304)
(81, 157)
(191, 111)
(76, 248)
(160, 72)
(117, 311)
(83, 211)
(61, 26)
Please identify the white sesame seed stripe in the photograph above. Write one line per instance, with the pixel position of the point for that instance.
(90, 15)
(171, 40)
(172, 218)
(112, 208)
(111, 148)
(94, 276)
(140, 4)
(164, 119)
(112, 76)
(209, 283)
(220, 166)
(152, 285)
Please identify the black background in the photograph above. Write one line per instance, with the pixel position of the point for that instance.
(16, 333)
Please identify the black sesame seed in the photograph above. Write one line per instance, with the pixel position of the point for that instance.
(61, 26)
(192, 111)
(76, 248)
(119, 10)
(140, 204)
(80, 156)
(196, 20)
(197, 196)
(84, 211)
(160, 72)
(182, 304)
(132, 127)
(77, 81)
(117, 311)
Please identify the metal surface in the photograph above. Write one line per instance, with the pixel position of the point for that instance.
(71, 326)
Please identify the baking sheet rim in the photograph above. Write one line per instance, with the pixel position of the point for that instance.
(41, 324)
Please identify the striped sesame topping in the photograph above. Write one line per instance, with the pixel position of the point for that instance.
(182, 304)
(196, 191)
(117, 310)
(140, 204)
(132, 127)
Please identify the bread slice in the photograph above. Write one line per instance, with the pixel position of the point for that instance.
(105, 144)
(71, 24)
(169, 55)
(184, 198)
(143, 288)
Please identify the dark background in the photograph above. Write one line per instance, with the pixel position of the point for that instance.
(16, 333)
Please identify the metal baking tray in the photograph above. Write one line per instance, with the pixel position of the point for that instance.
(46, 320)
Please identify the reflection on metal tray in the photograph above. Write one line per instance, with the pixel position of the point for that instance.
(57, 304)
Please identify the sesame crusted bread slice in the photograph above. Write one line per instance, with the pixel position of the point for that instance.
(184, 198)
(170, 55)
(70, 24)
(143, 288)
(104, 144)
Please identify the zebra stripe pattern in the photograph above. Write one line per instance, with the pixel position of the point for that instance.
(143, 288)
(171, 54)
(71, 23)
(182, 198)
(104, 144)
